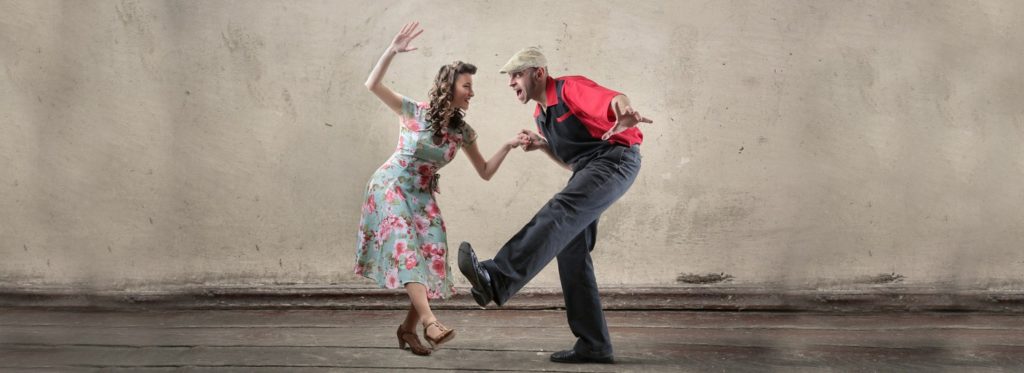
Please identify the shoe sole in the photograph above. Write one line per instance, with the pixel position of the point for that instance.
(584, 361)
(466, 256)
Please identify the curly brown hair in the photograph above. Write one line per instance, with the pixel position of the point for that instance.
(441, 112)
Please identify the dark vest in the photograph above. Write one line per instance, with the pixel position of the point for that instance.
(567, 137)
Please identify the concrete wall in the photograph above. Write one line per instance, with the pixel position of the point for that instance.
(796, 143)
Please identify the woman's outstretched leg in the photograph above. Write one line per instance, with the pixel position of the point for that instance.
(411, 319)
(407, 333)
(433, 331)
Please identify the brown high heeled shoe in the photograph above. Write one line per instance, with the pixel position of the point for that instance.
(446, 334)
(405, 337)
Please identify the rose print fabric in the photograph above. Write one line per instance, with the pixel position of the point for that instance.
(402, 236)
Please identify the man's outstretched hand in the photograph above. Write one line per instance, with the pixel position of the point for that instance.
(625, 118)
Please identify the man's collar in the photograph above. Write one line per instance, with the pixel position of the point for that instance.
(552, 96)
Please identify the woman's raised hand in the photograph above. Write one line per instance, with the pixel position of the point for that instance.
(404, 37)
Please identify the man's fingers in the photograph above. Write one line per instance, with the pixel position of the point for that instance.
(529, 134)
(610, 133)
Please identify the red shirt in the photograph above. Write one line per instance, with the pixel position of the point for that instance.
(591, 104)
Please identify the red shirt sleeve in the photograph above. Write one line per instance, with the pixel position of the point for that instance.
(591, 103)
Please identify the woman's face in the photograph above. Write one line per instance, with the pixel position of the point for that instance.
(463, 91)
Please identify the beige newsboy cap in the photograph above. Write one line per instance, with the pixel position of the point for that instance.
(528, 57)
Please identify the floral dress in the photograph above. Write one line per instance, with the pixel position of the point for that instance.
(402, 236)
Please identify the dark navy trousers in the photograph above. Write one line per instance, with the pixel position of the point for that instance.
(566, 228)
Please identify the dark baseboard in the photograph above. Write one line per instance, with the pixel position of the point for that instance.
(683, 298)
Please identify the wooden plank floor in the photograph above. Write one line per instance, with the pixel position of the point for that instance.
(503, 340)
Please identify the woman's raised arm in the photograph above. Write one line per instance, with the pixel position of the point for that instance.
(399, 45)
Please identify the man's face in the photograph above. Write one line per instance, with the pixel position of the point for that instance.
(526, 83)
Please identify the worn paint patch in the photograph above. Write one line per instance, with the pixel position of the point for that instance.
(884, 278)
(710, 278)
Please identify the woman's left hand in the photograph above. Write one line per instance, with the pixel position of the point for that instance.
(404, 37)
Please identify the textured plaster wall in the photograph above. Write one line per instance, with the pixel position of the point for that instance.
(795, 143)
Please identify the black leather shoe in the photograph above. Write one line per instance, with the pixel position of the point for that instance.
(571, 357)
(476, 274)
